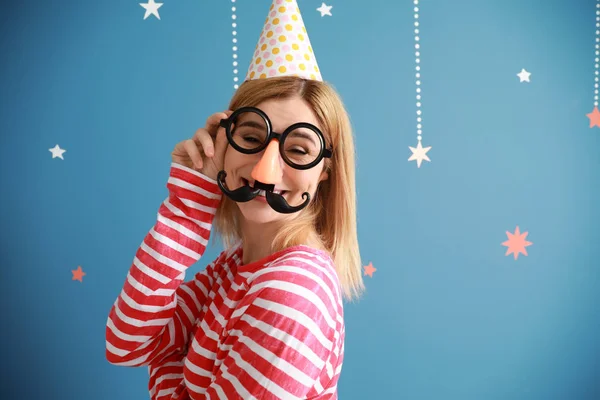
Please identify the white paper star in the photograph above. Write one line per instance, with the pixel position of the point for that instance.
(325, 10)
(524, 75)
(151, 8)
(419, 154)
(57, 152)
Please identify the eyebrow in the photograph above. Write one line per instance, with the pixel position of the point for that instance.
(303, 135)
(297, 133)
(252, 124)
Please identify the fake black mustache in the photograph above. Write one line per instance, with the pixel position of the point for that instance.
(246, 193)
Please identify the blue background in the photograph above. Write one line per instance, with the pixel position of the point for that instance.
(446, 315)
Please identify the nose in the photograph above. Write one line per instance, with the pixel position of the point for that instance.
(268, 169)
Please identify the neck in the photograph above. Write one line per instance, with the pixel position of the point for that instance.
(256, 240)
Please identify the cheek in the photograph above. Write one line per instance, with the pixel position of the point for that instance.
(305, 180)
(231, 160)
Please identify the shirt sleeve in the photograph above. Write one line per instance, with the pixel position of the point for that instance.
(283, 338)
(154, 312)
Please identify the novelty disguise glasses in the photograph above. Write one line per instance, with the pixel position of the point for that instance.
(301, 146)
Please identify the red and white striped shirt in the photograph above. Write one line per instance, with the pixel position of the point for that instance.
(272, 329)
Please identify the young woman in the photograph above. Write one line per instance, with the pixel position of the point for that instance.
(265, 319)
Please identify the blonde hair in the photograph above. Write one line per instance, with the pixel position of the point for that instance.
(331, 214)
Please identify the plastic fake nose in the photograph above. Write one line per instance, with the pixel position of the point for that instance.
(268, 169)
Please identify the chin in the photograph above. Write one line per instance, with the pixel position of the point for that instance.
(260, 212)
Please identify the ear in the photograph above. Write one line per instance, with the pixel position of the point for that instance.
(324, 176)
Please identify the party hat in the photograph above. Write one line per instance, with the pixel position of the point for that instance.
(284, 48)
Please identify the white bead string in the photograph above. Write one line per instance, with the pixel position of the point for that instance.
(419, 153)
(418, 69)
(597, 58)
(235, 47)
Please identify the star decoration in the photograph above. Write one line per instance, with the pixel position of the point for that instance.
(78, 274)
(57, 152)
(325, 10)
(419, 154)
(524, 75)
(594, 117)
(516, 243)
(369, 269)
(151, 8)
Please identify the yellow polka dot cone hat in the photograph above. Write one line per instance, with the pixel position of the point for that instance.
(283, 48)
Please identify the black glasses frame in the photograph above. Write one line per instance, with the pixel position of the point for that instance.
(226, 123)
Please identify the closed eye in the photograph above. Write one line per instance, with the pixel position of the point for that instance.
(299, 151)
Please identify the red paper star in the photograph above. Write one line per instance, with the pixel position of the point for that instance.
(78, 274)
(516, 243)
(594, 117)
(369, 269)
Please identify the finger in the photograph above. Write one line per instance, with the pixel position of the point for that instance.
(221, 143)
(206, 141)
(192, 150)
(213, 122)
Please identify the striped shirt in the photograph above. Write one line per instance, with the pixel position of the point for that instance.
(271, 329)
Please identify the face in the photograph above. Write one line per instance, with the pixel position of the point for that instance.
(291, 182)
